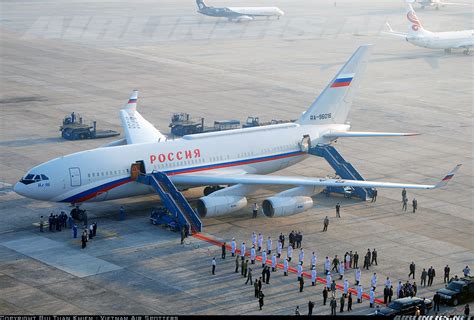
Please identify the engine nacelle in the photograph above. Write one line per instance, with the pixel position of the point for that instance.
(243, 18)
(285, 206)
(213, 206)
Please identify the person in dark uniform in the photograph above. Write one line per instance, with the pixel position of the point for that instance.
(282, 239)
(94, 227)
(310, 308)
(50, 222)
(268, 275)
(255, 286)
(436, 300)
(301, 284)
(349, 302)
(423, 277)
(333, 305)
(183, 235)
(260, 299)
(264, 273)
(385, 294)
(414, 203)
(390, 294)
(446, 273)
(326, 224)
(338, 210)
(341, 302)
(356, 260)
(223, 251)
(249, 276)
(74, 231)
(374, 257)
(467, 310)
(236, 264)
(374, 195)
(260, 284)
(325, 295)
(84, 240)
(412, 270)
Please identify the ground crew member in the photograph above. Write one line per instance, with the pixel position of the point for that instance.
(325, 295)
(233, 246)
(333, 305)
(274, 263)
(357, 276)
(359, 293)
(326, 224)
(374, 195)
(328, 279)
(260, 299)
(372, 297)
(279, 249)
(255, 210)
(242, 251)
(373, 281)
(74, 231)
(310, 308)
(285, 267)
(121, 215)
(388, 282)
(252, 255)
(260, 241)
(249, 276)
(341, 270)
(341, 302)
(255, 286)
(264, 258)
(338, 210)
(289, 252)
(213, 265)
(299, 271)
(254, 239)
(313, 276)
(301, 256)
(346, 287)
(414, 203)
(223, 250)
(301, 284)
(269, 245)
(313, 260)
(41, 223)
(236, 264)
(446, 273)
(404, 206)
(327, 265)
(412, 270)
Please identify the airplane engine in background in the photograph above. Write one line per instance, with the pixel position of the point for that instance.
(243, 18)
(289, 202)
(224, 201)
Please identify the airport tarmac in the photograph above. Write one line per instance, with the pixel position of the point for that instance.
(61, 56)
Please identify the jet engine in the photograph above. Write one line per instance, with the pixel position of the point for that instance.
(224, 201)
(243, 18)
(289, 202)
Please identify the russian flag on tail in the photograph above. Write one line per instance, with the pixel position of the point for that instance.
(342, 80)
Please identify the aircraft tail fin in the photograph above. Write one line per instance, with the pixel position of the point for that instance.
(333, 104)
(131, 105)
(414, 24)
(201, 5)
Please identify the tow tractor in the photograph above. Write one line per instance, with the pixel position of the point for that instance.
(74, 128)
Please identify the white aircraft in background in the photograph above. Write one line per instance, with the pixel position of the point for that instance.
(240, 158)
(437, 3)
(239, 13)
(421, 37)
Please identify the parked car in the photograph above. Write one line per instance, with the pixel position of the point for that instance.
(406, 306)
(461, 290)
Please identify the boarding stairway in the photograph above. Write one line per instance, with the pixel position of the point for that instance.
(172, 199)
(343, 169)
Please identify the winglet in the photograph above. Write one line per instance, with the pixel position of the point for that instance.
(448, 177)
(132, 102)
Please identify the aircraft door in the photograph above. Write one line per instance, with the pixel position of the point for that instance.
(75, 175)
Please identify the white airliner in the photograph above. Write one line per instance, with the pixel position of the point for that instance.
(438, 3)
(239, 13)
(239, 158)
(421, 37)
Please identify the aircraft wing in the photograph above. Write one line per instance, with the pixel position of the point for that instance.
(349, 134)
(136, 128)
(255, 179)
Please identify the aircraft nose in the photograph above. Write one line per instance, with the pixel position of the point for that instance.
(19, 188)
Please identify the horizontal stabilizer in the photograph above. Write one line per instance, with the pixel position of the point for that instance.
(355, 134)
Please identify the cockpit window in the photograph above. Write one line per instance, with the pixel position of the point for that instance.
(31, 178)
